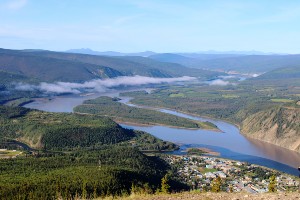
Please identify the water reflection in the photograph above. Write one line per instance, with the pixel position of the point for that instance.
(279, 154)
(231, 143)
(239, 143)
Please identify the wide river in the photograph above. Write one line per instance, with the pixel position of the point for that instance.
(229, 143)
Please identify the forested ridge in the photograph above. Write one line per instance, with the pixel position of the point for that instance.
(83, 156)
(69, 131)
(88, 174)
(59, 130)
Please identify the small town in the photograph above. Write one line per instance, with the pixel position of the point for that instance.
(201, 172)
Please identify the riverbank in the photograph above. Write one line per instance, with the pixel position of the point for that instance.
(159, 124)
(254, 112)
(201, 151)
(199, 172)
(119, 111)
(231, 144)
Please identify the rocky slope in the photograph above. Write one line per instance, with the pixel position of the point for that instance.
(277, 125)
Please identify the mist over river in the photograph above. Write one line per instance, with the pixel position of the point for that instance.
(229, 143)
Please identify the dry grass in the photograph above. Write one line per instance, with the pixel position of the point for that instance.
(212, 196)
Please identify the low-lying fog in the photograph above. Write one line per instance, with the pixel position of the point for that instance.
(99, 85)
(104, 85)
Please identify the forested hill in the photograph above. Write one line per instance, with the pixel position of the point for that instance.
(133, 65)
(53, 130)
(174, 69)
(238, 63)
(282, 73)
(35, 67)
(251, 63)
(77, 156)
(75, 67)
(44, 130)
(58, 66)
(278, 124)
(282, 77)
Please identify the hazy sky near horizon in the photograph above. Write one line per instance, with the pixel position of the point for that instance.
(156, 25)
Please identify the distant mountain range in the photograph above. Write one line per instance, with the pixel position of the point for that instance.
(236, 61)
(49, 66)
(109, 53)
(253, 52)
(149, 53)
(230, 62)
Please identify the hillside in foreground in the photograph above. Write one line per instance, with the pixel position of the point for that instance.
(75, 155)
(217, 196)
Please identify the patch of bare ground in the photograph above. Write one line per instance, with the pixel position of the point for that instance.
(216, 196)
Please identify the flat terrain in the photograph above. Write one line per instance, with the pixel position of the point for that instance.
(4, 153)
(106, 106)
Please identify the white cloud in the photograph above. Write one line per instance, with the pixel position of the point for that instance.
(227, 77)
(219, 82)
(98, 85)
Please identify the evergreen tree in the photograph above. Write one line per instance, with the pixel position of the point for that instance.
(95, 190)
(133, 188)
(230, 188)
(165, 187)
(272, 184)
(84, 192)
(216, 185)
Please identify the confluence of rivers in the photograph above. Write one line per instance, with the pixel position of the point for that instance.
(230, 143)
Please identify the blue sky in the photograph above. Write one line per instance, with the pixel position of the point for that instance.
(157, 25)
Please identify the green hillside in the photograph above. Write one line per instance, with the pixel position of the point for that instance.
(80, 175)
(174, 69)
(127, 68)
(173, 58)
(133, 65)
(8, 77)
(58, 66)
(51, 69)
(282, 73)
(239, 63)
(66, 131)
(284, 80)
(71, 67)
(251, 63)
(53, 130)
(76, 156)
